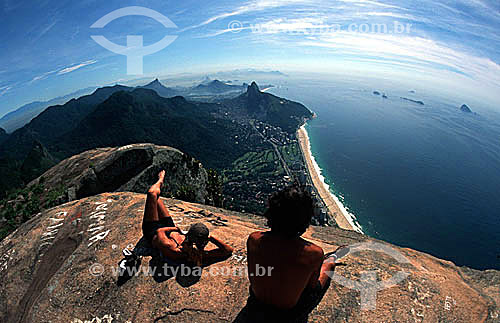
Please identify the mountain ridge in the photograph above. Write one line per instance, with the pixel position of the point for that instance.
(269, 108)
(21, 116)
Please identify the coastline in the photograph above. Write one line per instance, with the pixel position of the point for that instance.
(336, 209)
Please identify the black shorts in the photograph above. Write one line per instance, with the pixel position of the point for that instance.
(149, 227)
(256, 311)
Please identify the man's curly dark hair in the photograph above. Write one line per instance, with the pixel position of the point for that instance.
(290, 211)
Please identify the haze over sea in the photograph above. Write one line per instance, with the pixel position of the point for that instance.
(425, 177)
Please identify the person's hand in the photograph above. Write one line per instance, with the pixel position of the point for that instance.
(331, 263)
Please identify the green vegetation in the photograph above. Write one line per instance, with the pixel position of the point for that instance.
(214, 188)
(255, 175)
(22, 204)
(186, 193)
(291, 153)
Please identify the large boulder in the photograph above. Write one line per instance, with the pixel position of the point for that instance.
(60, 265)
(129, 168)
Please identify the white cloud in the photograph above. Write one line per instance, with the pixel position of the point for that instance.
(42, 76)
(366, 3)
(252, 6)
(75, 67)
(61, 71)
(47, 29)
(421, 52)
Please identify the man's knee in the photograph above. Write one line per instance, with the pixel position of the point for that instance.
(153, 193)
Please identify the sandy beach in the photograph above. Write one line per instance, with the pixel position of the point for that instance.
(335, 208)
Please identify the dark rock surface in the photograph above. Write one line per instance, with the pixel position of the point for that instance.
(129, 168)
(50, 271)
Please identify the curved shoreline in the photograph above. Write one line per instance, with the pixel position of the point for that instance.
(337, 210)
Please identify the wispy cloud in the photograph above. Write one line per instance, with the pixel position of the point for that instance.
(370, 3)
(47, 29)
(427, 47)
(4, 89)
(75, 67)
(418, 51)
(252, 6)
(44, 31)
(42, 76)
(59, 71)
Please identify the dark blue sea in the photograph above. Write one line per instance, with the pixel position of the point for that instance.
(420, 176)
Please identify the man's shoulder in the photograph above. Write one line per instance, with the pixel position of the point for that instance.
(313, 251)
(255, 236)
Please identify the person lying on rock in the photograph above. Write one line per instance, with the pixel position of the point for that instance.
(159, 229)
(293, 275)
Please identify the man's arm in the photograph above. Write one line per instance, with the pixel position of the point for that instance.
(327, 266)
(316, 263)
(222, 252)
(166, 230)
(322, 267)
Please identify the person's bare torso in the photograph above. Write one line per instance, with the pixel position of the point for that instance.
(172, 248)
(295, 264)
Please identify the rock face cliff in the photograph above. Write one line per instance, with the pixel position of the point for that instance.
(60, 267)
(129, 168)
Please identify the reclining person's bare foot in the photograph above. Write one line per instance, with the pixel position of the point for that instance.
(155, 189)
(161, 177)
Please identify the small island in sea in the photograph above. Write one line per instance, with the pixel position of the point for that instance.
(414, 101)
(465, 108)
(378, 93)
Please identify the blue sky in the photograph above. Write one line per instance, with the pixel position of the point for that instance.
(46, 49)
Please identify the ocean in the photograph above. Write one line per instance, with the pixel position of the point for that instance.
(420, 176)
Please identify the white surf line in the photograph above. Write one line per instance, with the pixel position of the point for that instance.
(351, 218)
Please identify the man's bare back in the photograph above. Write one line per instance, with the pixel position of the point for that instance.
(296, 265)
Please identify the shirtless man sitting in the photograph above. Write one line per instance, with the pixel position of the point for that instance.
(159, 229)
(299, 277)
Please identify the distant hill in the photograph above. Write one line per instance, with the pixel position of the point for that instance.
(18, 118)
(280, 112)
(143, 116)
(215, 87)
(56, 120)
(206, 80)
(44, 129)
(37, 161)
(162, 90)
(207, 89)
